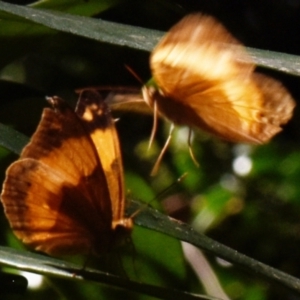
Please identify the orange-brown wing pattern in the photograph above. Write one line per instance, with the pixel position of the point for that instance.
(206, 79)
(97, 120)
(55, 196)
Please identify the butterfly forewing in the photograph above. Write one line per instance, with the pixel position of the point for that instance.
(197, 50)
(94, 115)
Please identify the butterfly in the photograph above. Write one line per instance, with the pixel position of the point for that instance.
(65, 195)
(203, 78)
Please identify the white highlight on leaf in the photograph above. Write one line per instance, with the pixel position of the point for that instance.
(35, 281)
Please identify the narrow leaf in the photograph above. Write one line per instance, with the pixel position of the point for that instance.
(132, 36)
(12, 139)
(152, 219)
(41, 264)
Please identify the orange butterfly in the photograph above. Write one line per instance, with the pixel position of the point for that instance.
(203, 77)
(65, 194)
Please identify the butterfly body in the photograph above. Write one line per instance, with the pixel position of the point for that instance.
(60, 197)
(205, 79)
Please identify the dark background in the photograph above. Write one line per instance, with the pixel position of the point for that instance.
(260, 217)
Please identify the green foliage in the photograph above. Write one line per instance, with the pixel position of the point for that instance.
(47, 52)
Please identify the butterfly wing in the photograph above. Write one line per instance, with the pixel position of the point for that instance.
(56, 196)
(91, 109)
(204, 71)
(198, 47)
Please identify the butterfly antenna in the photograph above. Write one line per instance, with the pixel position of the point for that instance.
(162, 152)
(154, 127)
(145, 205)
(179, 179)
(191, 149)
(134, 74)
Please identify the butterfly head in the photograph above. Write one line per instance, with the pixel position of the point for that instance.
(149, 91)
(122, 230)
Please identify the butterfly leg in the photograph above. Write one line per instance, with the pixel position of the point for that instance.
(191, 149)
(157, 163)
(154, 127)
